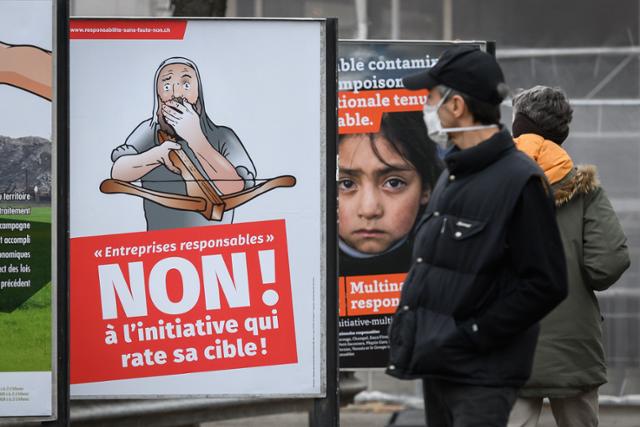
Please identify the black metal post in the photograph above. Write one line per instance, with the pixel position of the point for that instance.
(61, 108)
(326, 411)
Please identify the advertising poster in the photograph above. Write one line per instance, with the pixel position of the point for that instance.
(26, 292)
(197, 210)
(387, 168)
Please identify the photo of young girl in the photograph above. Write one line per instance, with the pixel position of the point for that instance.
(385, 180)
(388, 166)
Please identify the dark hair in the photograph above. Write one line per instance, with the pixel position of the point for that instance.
(482, 112)
(547, 107)
(407, 134)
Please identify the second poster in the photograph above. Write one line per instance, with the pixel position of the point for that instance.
(387, 168)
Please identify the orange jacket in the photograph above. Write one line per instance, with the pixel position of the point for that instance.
(552, 159)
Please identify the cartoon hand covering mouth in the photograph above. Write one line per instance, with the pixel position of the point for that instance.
(192, 171)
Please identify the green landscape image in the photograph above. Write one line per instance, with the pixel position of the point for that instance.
(25, 331)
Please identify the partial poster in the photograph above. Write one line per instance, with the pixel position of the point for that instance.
(26, 292)
(387, 168)
(197, 210)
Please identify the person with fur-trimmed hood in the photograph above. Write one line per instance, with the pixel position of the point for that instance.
(569, 363)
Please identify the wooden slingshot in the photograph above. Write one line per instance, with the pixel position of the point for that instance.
(202, 196)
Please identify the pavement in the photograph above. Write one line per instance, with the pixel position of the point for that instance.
(351, 416)
(394, 403)
(381, 415)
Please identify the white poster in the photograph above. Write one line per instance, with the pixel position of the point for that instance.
(27, 340)
(197, 185)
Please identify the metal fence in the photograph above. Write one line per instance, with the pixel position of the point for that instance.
(604, 86)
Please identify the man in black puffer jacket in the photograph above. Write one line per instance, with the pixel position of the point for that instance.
(488, 261)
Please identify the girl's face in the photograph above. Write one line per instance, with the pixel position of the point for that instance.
(378, 202)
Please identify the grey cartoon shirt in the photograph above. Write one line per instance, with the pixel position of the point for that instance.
(222, 139)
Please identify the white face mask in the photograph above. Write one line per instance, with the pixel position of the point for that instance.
(432, 120)
(436, 132)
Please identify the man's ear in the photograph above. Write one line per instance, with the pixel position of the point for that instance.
(458, 106)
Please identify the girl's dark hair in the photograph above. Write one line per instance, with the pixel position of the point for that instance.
(407, 134)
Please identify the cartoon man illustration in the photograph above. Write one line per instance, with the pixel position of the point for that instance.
(180, 122)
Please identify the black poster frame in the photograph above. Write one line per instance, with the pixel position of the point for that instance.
(326, 411)
(61, 248)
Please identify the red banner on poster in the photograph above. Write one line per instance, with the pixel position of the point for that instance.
(126, 29)
(177, 301)
(361, 112)
(342, 306)
(370, 295)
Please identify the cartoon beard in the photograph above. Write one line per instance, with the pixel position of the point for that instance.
(163, 124)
